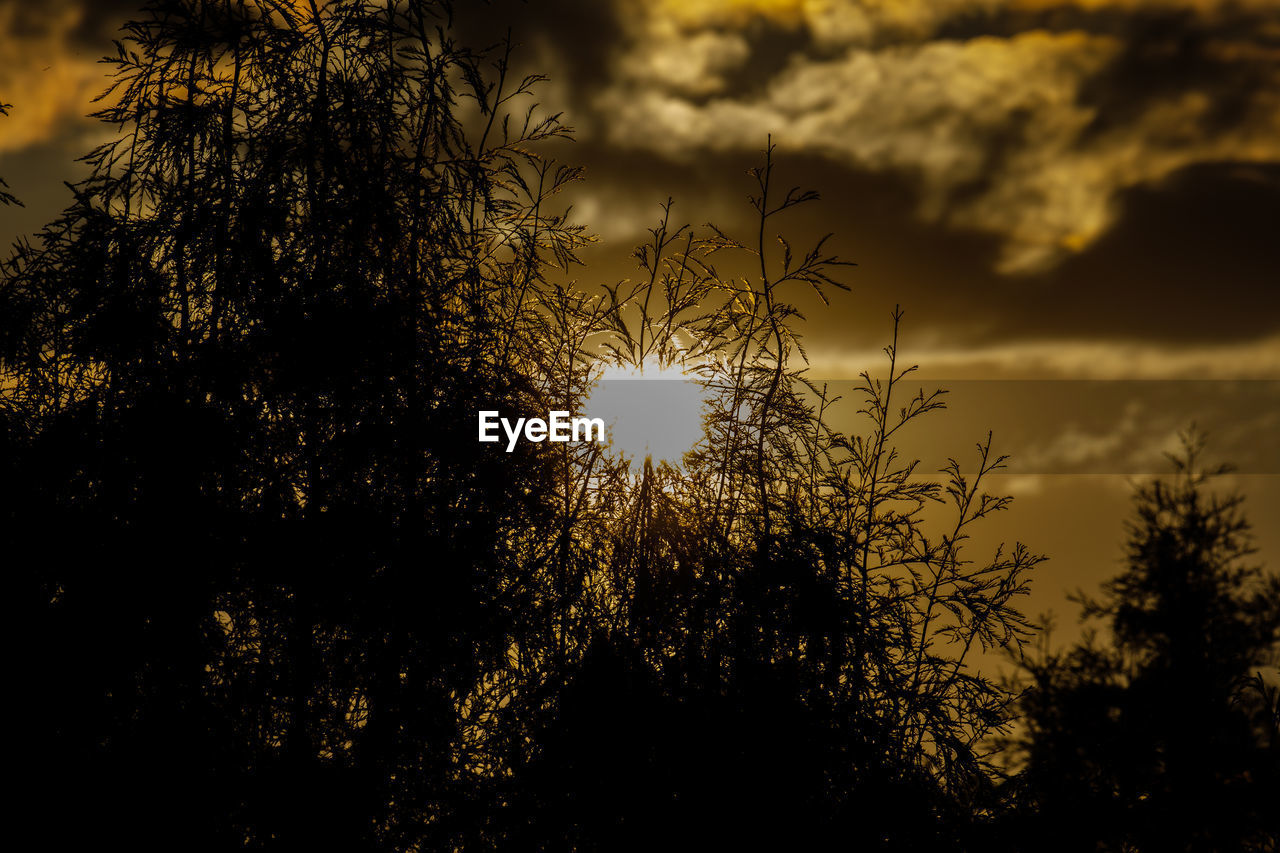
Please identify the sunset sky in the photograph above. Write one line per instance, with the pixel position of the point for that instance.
(1053, 191)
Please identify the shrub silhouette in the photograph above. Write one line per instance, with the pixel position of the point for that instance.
(272, 592)
(1163, 731)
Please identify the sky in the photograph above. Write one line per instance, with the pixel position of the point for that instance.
(1077, 204)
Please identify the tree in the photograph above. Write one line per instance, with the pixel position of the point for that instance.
(277, 596)
(262, 559)
(1161, 733)
(774, 652)
(6, 198)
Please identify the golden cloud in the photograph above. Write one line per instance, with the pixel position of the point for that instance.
(46, 80)
(1002, 132)
(1075, 359)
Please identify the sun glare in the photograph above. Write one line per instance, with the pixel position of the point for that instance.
(649, 411)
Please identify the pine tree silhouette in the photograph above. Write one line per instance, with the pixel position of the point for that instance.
(1162, 731)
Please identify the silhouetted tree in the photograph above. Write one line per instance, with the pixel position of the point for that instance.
(6, 198)
(1160, 734)
(274, 594)
(779, 656)
(266, 561)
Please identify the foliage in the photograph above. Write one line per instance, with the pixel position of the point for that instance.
(277, 596)
(1163, 729)
(6, 198)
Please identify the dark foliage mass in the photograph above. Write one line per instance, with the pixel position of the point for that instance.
(271, 593)
(1165, 734)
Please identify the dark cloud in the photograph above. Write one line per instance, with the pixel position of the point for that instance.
(1183, 283)
(1026, 120)
(1193, 260)
(576, 39)
(1118, 154)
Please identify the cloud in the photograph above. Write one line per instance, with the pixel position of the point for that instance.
(1100, 446)
(1025, 119)
(48, 75)
(1084, 427)
(1137, 435)
(1072, 359)
(688, 66)
(612, 215)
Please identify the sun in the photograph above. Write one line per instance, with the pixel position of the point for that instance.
(650, 411)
